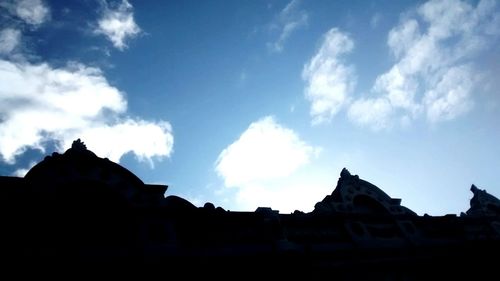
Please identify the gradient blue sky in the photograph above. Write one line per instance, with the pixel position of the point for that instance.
(260, 103)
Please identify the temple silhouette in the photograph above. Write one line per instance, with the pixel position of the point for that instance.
(76, 207)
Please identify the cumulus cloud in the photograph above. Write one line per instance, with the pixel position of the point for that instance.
(451, 95)
(145, 139)
(33, 12)
(399, 89)
(373, 112)
(9, 40)
(268, 162)
(329, 80)
(433, 72)
(265, 151)
(299, 191)
(39, 103)
(117, 24)
(287, 21)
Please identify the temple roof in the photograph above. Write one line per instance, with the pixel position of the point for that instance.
(483, 203)
(78, 164)
(354, 195)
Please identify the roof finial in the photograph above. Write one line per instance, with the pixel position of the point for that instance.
(78, 145)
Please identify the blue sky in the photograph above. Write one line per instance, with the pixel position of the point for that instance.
(260, 103)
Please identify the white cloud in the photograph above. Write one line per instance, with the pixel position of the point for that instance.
(40, 103)
(297, 192)
(33, 12)
(145, 139)
(399, 88)
(265, 151)
(329, 80)
(287, 21)
(118, 24)
(402, 37)
(267, 165)
(433, 72)
(9, 40)
(371, 112)
(450, 97)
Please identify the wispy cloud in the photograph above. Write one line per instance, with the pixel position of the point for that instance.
(9, 40)
(375, 20)
(39, 103)
(286, 22)
(329, 80)
(33, 12)
(262, 164)
(433, 72)
(117, 24)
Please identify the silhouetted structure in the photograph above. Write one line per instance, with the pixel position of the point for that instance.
(78, 208)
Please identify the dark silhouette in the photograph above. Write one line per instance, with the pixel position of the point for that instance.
(77, 208)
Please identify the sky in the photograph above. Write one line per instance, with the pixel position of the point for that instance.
(250, 104)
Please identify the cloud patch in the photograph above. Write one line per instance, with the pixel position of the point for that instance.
(287, 21)
(33, 12)
(451, 95)
(9, 40)
(39, 103)
(375, 20)
(264, 163)
(433, 73)
(118, 24)
(329, 80)
(265, 151)
(373, 112)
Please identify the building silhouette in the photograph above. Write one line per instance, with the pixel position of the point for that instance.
(78, 208)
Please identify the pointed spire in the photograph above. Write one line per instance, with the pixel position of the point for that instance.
(345, 173)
